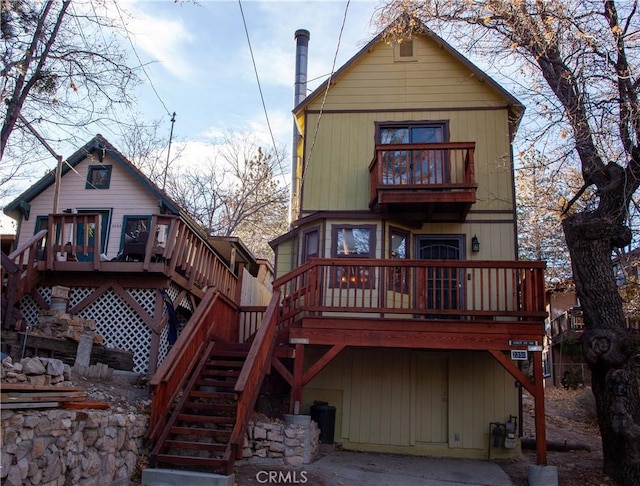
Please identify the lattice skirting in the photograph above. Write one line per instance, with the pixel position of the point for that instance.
(116, 321)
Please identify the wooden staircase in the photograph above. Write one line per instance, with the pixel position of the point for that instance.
(198, 431)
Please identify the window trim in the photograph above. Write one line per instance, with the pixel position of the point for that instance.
(94, 168)
(397, 48)
(413, 123)
(336, 280)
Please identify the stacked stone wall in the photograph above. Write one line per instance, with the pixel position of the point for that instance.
(293, 444)
(61, 447)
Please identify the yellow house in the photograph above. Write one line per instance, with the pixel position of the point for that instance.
(407, 305)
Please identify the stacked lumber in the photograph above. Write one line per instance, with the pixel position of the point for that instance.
(22, 395)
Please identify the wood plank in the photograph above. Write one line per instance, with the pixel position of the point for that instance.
(21, 405)
(29, 387)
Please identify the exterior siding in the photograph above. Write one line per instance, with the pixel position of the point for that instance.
(124, 196)
(414, 401)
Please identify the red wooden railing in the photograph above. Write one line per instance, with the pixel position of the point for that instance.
(20, 272)
(213, 319)
(424, 166)
(457, 289)
(173, 248)
(255, 367)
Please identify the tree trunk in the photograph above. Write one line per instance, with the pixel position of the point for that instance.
(606, 340)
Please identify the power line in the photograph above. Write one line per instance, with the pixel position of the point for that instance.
(326, 92)
(139, 60)
(264, 106)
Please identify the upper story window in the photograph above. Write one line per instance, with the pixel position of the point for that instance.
(414, 165)
(405, 51)
(99, 177)
(418, 132)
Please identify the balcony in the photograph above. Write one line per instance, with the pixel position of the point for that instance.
(438, 304)
(434, 179)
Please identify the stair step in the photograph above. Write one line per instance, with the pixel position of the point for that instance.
(209, 406)
(216, 383)
(225, 363)
(212, 395)
(210, 419)
(232, 346)
(184, 444)
(196, 431)
(191, 461)
(221, 373)
(229, 353)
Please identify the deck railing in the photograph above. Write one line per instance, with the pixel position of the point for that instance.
(20, 272)
(213, 319)
(172, 248)
(432, 166)
(450, 289)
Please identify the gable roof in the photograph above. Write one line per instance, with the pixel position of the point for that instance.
(417, 27)
(97, 143)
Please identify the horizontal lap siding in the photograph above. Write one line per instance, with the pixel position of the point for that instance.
(125, 196)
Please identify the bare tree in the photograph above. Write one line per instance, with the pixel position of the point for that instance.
(581, 58)
(239, 193)
(62, 68)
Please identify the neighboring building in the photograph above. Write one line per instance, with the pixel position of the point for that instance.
(134, 261)
(408, 306)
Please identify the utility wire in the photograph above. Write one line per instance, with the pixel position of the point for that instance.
(139, 60)
(264, 106)
(326, 92)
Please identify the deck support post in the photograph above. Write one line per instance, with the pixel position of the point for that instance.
(298, 364)
(541, 433)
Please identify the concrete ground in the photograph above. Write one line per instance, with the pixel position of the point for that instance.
(346, 468)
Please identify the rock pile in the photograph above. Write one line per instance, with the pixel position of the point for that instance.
(62, 325)
(35, 371)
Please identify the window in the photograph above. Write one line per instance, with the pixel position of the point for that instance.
(353, 242)
(417, 165)
(404, 51)
(398, 280)
(99, 177)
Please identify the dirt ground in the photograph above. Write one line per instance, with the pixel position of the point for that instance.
(570, 417)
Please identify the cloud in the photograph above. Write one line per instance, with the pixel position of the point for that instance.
(163, 40)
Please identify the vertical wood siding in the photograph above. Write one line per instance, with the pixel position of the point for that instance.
(397, 397)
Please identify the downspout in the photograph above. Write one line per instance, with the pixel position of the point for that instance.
(300, 92)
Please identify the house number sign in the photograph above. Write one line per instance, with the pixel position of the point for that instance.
(519, 354)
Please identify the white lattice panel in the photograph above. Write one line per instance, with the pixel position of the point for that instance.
(29, 310)
(164, 345)
(78, 294)
(146, 298)
(121, 327)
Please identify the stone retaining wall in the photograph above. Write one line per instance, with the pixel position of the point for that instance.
(60, 447)
(293, 443)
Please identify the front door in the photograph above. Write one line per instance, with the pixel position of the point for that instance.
(439, 288)
(105, 216)
(432, 390)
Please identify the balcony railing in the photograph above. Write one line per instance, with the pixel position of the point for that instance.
(436, 176)
(415, 289)
(171, 247)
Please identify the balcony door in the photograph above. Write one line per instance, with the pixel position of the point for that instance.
(440, 288)
(105, 218)
(415, 166)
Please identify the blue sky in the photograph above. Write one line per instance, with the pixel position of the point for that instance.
(201, 66)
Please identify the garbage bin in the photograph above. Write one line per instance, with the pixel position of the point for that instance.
(325, 416)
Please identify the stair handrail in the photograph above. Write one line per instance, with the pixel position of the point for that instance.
(255, 368)
(20, 271)
(172, 374)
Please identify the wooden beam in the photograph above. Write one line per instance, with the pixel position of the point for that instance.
(508, 365)
(541, 432)
(284, 372)
(321, 363)
(296, 393)
(426, 339)
(92, 297)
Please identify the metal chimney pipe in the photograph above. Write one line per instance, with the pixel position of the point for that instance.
(302, 49)
(300, 92)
